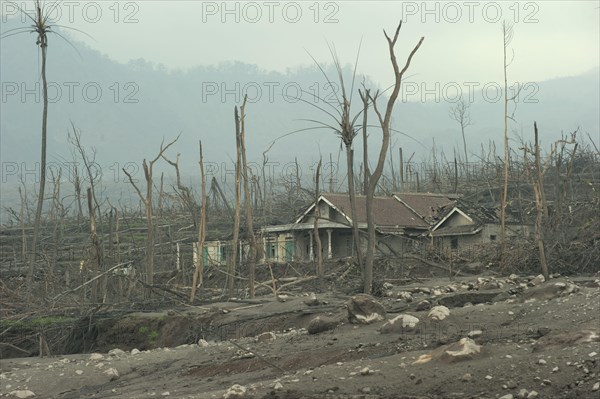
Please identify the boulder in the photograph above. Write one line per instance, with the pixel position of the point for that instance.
(465, 349)
(399, 324)
(265, 337)
(539, 279)
(438, 313)
(550, 290)
(364, 309)
(320, 324)
(312, 300)
(237, 392)
(566, 339)
(423, 305)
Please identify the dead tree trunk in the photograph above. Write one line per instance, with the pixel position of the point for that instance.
(232, 259)
(197, 279)
(319, 254)
(253, 250)
(147, 201)
(384, 121)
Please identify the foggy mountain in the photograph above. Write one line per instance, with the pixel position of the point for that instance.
(125, 111)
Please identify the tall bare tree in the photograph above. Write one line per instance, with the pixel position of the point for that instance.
(346, 128)
(232, 259)
(199, 270)
(460, 113)
(253, 249)
(317, 237)
(384, 121)
(147, 202)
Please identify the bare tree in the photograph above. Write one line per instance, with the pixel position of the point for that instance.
(319, 253)
(253, 250)
(460, 113)
(185, 193)
(345, 127)
(147, 202)
(232, 259)
(507, 33)
(384, 121)
(199, 270)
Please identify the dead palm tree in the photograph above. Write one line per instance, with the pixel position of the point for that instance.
(41, 26)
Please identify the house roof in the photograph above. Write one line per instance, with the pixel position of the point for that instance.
(387, 211)
(431, 207)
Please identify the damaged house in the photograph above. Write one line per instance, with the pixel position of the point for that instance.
(403, 222)
(397, 226)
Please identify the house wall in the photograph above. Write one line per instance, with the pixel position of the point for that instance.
(489, 233)
(457, 219)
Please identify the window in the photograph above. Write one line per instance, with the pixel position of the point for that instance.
(271, 250)
(454, 243)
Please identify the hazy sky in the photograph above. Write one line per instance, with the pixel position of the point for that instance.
(463, 39)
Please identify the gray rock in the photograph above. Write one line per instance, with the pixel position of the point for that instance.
(399, 324)
(423, 305)
(364, 309)
(438, 313)
(22, 394)
(320, 324)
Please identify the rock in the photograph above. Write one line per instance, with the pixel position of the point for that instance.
(366, 390)
(522, 393)
(22, 394)
(550, 290)
(404, 295)
(399, 324)
(202, 343)
(596, 387)
(312, 300)
(112, 373)
(135, 351)
(278, 386)
(475, 333)
(79, 372)
(592, 354)
(265, 337)
(541, 361)
(539, 279)
(364, 309)
(366, 371)
(423, 305)
(511, 384)
(501, 297)
(532, 394)
(236, 392)
(438, 313)
(466, 377)
(320, 324)
(507, 396)
(116, 352)
(96, 356)
(464, 349)
(490, 285)
(488, 377)
(566, 339)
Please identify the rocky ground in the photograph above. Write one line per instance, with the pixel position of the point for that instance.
(473, 337)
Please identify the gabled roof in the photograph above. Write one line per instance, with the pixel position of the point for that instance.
(430, 207)
(387, 211)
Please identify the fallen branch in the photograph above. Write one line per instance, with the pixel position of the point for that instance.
(90, 281)
(16, 348)
(432, 264)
